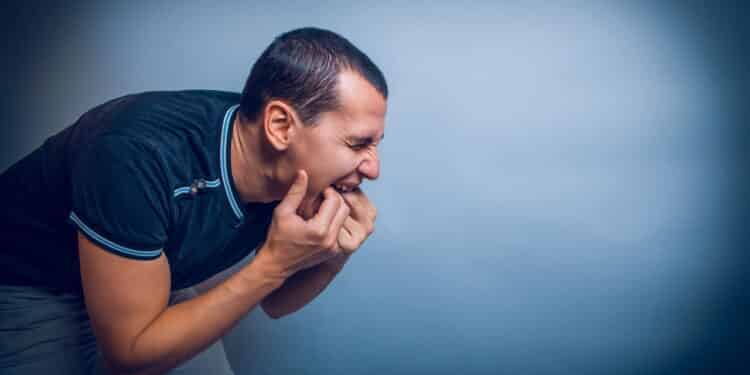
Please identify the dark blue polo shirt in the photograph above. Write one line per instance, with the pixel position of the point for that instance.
(140, 175)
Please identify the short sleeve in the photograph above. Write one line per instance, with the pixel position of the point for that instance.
(119, 197)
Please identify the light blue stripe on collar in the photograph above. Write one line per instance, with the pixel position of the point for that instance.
(223, 152)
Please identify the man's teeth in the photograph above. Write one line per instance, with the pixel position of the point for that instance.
(341, 188)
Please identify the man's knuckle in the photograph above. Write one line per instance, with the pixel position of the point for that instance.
(339, 200)
(319, 232)
(328, 243)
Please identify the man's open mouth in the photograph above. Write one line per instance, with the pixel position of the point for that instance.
(310, 210)
(338, 188)
(342, 188)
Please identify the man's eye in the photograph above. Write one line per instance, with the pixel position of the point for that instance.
(359, 146)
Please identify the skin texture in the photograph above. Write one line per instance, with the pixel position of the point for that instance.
(340, 148)
(313, 232)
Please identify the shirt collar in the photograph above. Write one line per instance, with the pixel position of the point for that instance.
(225, 163)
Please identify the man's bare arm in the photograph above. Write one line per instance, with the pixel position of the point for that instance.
(302, 287)
(130, 317)
(127, 299)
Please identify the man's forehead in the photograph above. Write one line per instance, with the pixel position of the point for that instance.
(358, 96)
(361, 114)
(363, 128)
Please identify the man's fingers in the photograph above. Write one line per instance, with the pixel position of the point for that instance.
(346, 240)
(362, 208)
(338, 221)
(296, 193)
(352, 235)
(355, 228)
(328, 209)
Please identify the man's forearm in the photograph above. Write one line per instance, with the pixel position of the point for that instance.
(302, 287)
(185, 329)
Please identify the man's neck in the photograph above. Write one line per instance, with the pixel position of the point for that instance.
(251, 173)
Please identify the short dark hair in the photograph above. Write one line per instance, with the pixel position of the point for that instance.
(301, 67)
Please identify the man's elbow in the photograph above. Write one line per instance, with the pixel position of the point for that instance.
(271, 311)
(122, 366)
(120, 361)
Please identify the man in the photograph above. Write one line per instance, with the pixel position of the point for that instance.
(150, 194)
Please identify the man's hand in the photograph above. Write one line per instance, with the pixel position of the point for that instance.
(294, 244)
(302, 287)
(358, 226)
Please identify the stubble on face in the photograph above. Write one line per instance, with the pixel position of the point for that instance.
(361, 113)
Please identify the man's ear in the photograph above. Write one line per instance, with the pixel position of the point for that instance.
(279, 124)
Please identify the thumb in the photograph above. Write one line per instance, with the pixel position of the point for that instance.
(296, 193)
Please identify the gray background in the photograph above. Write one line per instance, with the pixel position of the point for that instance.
(563, 187)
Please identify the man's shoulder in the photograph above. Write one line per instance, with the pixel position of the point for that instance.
(146, 101)
(162, 94)
(155, 116)
(192, 97)
(174, 128)
(220, 95)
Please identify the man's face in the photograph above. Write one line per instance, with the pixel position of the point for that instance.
(341, 150)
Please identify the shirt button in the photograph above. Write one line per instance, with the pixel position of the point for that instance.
(197, 186)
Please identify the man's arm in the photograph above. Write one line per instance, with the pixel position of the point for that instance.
(302, 287)
(127, 298)
(129, 313)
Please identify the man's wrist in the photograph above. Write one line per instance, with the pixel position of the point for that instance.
(262, 266)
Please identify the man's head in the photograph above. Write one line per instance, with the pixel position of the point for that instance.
(320, 103)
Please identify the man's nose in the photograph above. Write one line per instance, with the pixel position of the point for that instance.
(369, 167)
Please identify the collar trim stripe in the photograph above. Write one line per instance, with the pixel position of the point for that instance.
(223, 153)
(117, 248)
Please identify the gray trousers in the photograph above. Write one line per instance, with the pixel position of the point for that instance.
(42, 332)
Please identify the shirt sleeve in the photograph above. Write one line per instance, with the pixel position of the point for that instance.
(119, 197)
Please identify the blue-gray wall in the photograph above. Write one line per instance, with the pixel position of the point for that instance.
(562, 189)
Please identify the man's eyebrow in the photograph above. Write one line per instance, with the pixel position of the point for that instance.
(365, 140)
